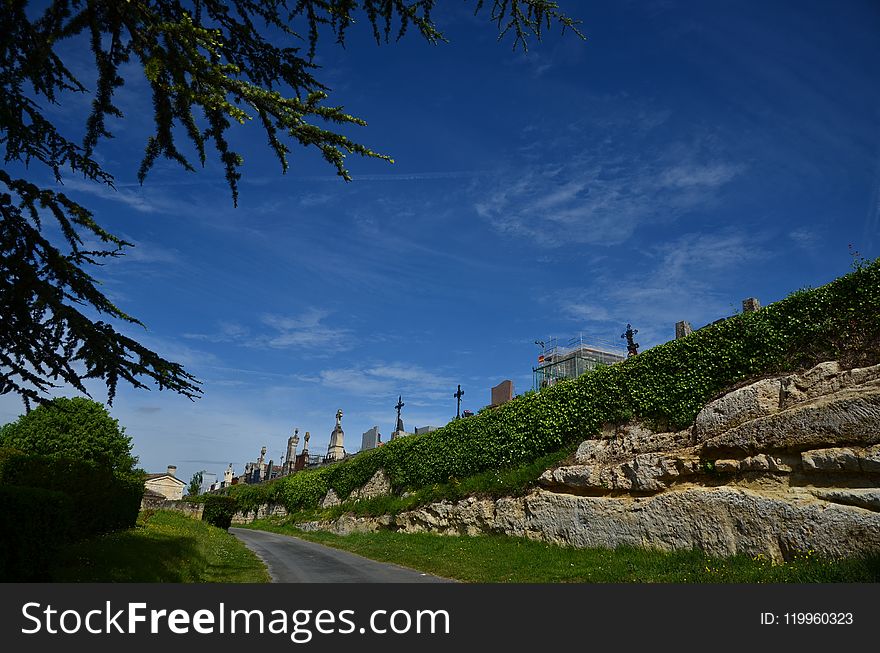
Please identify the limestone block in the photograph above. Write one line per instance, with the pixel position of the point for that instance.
(842, 459)
(721, 521)
(868, 498)
(830, 460)
(760, 463)
(647, 472)
(845, 418)
(625, 441)
(824, 379)
(377, 486)
(330, 499)
(743, 404)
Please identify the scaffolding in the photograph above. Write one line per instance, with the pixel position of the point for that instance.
(570, 361)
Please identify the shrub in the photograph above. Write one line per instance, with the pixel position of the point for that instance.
(219, 511)
(34, 523)
(100, 500)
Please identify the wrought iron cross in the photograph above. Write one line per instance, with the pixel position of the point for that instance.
(399, 405)
(458, 395)
(632, 347)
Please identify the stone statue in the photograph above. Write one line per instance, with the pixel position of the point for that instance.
(339, 419)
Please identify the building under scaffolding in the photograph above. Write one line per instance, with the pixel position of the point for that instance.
(578, 356)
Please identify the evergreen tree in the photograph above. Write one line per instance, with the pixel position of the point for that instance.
(210, 64)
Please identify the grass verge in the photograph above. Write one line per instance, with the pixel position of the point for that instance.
(502, 559)
(164, 547)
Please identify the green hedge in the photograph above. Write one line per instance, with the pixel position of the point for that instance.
(34, 523)
(219, 511)
(665, 386)
(101, 501)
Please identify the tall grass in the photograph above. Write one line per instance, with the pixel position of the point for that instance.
(164, 547)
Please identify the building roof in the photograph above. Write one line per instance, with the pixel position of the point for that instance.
(153, 477)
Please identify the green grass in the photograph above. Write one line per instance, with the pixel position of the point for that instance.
(164, 547)
(502, 559)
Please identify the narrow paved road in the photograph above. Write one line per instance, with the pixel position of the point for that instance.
(292, 560)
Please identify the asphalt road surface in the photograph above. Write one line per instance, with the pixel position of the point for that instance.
(292, 560)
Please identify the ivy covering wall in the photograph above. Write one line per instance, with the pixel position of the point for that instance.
(665, 386)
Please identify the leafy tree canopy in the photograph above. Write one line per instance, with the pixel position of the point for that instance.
(210, 64)
(195, 484)
(72, 428)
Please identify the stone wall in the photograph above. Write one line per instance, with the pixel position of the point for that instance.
(780, 466)
(191, 509)
(267, 510)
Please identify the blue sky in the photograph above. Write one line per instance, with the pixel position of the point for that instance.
(686, 156)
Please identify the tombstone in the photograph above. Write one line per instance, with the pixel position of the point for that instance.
(209, 479)
(227, 476)
(751, 304)
(335, 450)
(425, 429)
(502, 393)
(370, 439)
(302, 460)
(292, 442)
(683, 329)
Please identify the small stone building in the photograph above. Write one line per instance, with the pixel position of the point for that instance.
(166, 484)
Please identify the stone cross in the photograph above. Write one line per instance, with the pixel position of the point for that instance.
(339, 419)
(458, 395)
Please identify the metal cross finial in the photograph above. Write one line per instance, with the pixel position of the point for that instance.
(458, 395)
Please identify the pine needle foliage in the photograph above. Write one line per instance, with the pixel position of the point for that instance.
(210, 65)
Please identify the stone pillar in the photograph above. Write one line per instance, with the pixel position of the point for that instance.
(751, 304)
(683, 329)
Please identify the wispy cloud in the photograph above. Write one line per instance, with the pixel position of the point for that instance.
(805, 238)
(680, 281)
(598, 179)
(307, 331)
(135, 198)
(380, 380)
(603, 197)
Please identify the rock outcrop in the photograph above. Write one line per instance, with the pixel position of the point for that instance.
(776, 467)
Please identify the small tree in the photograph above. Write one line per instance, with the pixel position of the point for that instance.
(195, 484)
(76, 428)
